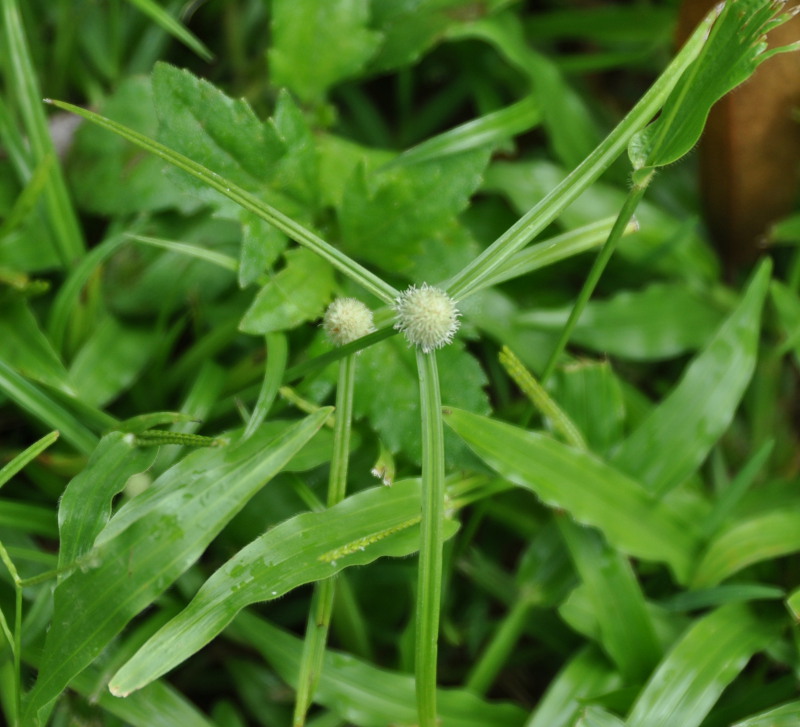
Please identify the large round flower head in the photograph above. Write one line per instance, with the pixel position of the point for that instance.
(347, 319)
(427, 316)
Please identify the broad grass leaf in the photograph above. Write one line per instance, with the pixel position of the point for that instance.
(149, 543)
(364, 695)
(387, 393)
(660, 321)
(585, 675)
(316, 45)
(734, 50)
(295, 294)
(627, 633)
(27, 350)
(388, 217)
(672, 442)
(593, 492)
(376, 523)
(703, 662)
(764, 537)
(85, 506)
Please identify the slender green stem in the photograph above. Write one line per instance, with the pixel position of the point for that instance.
(368, 280)
(429, 590)
(600, 262)
(21, 76)
(496, 654)
(536, 219)
(16, 464)
(319, 618)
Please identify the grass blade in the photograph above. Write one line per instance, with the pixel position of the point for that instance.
(16, 464)
(149, 543)
(369, 281)
(22, 77)
(772, 535)
(594, 493)
(705, 660)
(161, 17)
(44, 408)
(309, 547)
(534, 221)
(699, 409)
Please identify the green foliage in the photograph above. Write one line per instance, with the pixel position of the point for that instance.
(603, 526)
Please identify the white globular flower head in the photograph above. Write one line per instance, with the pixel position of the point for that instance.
(347, 319)
(427, 316)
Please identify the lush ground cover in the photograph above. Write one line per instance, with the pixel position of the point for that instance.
(538, 468)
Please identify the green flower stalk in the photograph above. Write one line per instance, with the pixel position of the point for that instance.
(346, 320)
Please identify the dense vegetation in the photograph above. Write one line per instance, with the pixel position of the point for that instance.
(565, 493)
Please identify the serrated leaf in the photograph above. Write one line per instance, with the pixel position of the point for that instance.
(594, 493)
(387, 218)
(148, 544)
(296, 294)
(734, 50)
(387, 393)
(316, 45)
(676, 437)
(222, 134)
(375, 523)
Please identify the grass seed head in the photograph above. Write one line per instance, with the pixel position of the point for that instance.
(347, 319)
(427, 316)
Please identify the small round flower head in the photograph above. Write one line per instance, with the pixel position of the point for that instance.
(427, 316)
(346, 320)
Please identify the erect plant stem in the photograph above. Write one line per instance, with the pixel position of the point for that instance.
(429, 590)
(319, 617)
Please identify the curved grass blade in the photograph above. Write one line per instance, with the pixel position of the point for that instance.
(719, 596)
(677, 436)
(162, 18)
(226, 262)
(148, 544)
(309, 547)
(593, 492)
(489, 129)
(39, 405)
(277, 353)
(594, 716)
(25, 456)
(369, 281)
(772, 535)
(707, 658)
(364, 695)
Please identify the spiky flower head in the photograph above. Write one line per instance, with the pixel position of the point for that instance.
(427, 316)
(347, 319)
